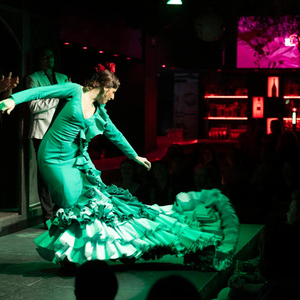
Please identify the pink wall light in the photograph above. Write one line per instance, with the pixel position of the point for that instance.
(258, 107)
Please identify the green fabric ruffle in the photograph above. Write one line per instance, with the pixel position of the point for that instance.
(113, 224)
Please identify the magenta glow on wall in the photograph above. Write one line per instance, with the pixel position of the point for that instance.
(266, 42)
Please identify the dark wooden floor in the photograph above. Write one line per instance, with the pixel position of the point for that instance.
(24, 275)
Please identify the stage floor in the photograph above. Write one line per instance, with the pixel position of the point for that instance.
(24, 275)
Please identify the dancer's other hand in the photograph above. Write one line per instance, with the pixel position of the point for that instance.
(7, 105)
(143, 161)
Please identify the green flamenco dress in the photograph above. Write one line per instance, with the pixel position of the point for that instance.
(96, 221)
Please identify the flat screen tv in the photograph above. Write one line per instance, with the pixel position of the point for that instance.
(268, 42)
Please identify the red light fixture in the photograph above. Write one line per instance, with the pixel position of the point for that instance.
(258, 107)
(273, 86)
(294, 115)
(269, 120)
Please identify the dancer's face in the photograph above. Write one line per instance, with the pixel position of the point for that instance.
(109, 94)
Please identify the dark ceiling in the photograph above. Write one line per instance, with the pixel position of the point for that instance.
(174, 26)
(156, 15)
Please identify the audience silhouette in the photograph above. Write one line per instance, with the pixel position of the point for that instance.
(162, 190)
(95, 280)
(128, 176)
(173, 287)
(279, 263)
(273, 274)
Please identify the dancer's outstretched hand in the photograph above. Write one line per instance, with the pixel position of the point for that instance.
(143, 161)
(7, 105)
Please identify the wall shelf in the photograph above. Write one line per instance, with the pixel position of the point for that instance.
(225, 97)
(291, 97)
(227, 118)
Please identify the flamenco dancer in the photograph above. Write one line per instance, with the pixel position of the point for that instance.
(96, 221)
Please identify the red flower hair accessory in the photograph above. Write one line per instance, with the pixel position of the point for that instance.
(100, 68)
(111, 67)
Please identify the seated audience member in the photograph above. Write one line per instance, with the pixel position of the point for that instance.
(289, 184)
(145, 181)
(274, 185)
(128, 180)
(233, 171)
(171, 152)
(288, 147)
(236, 186)
(143, 176)
(249, 143)
(173, 287)
(266, 182)
(271, 140)
(293, 215)
(161, 190)
(180, 173)
(209, 156)
(279, 264)
(95, 280)
(274, 273)
(250, 279)
(246, 282)
(206, 177)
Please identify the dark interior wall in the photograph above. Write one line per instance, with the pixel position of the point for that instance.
(111, 34)
(165, 102)
(127, 110)
(108, 33)
(10, 53)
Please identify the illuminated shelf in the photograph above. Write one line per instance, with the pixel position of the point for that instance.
(291, 97)
(226, 118)
(290, 119)
(225, 97)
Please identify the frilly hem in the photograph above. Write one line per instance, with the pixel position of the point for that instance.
(213, 213)
(113, 224)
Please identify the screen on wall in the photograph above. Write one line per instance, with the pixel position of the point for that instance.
(268, 42)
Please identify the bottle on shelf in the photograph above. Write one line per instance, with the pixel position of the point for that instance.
(235, 112)
(218, 133)
(212, 110)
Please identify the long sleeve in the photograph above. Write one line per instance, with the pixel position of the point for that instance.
(40, 105)
(117, 138)
(60, 91)
(39, 79)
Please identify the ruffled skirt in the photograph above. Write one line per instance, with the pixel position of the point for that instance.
(110, 224)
